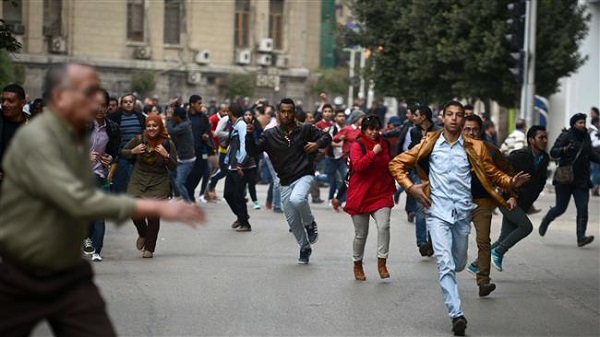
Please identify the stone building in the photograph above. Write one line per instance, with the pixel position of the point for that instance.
(187, 46)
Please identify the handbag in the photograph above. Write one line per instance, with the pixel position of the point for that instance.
(564, 174)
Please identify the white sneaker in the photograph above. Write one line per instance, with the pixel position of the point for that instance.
(256, 205)
(87, 246)
(96, 257)
(329, 203)
(202, 199)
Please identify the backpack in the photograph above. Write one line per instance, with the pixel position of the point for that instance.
(363, 150)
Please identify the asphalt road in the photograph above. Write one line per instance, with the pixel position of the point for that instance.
(214, 281)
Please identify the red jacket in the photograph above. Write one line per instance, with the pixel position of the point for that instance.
(371, 185)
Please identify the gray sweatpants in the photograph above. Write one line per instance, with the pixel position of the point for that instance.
(361, 230)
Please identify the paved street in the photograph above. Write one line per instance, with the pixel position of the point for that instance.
(214, 281)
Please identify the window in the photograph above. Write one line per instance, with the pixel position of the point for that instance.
(12, 12)
(173, 22)
(52, 17)
(276, 23)
(135, 20)
(242, 23)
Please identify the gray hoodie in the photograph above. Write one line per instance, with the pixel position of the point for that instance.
(182, 136)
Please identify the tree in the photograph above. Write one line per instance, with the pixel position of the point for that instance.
(331, 81)
(142, 82)
(240, 85)
(435, 50)
(7, 39)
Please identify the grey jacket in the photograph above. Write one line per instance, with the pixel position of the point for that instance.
(181, 134)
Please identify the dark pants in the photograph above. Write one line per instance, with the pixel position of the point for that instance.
(122, 175)
(198, 171)
(205, 177)
(251, 181)
(98, 227)
(235, 186)
(221, 173)
(515, 227)
(69, 301)
(148, 228)
(563, 195)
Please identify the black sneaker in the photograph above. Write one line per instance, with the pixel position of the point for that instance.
(543, 227)
(313, 232)
(585, 241)
(243, 228)
(486, 289)
(304, 255)
(459, 325)
(87, 247)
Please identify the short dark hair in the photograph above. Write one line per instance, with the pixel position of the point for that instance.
(595, 120)
(425, 111)
(476, 119)
(113, 98)
(453, 103)
(55, 77)
(372, 122)
(195, 98)
(468, 107)
(300, 115)
(595, 110)
(337, 111)
(15, 88)
(532, 132)
(127, 95)
(105, 94)
(488, 124)
(236, 110)
(327, 106)
(520, 124)
(287, 101)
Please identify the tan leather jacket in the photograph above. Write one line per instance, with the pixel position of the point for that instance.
(479, 158)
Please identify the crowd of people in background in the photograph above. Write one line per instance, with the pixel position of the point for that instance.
(448, 162)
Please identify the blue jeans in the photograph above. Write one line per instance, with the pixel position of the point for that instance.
(198, 171)
(180, 182)
(122, 175)
(332, 168)
(595, 169)
(275, 184)
(98, 227)
(450, 242)
(220, 174)
(294, 198)
(420, 220)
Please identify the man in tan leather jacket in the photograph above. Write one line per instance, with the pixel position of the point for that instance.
(445, 162)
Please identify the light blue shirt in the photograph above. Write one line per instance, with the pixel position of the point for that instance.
(450, 179)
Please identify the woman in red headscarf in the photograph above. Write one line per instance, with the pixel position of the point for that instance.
(154, 154)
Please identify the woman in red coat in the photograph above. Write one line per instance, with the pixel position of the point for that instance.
(370, 192)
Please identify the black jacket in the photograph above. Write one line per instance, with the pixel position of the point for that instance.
(522, 160)
(114, 137)
(581, 166)
(118, 115)
(289, 159)
(416, 134)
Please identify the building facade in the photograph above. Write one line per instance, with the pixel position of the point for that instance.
(187, 46)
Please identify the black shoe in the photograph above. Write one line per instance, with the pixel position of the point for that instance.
(313, 233)
(318, 201)
(277, 210)
(486, 289)
(586, 240)
(243, 228)
(459, 325)
(411, 216)
(426, 249)
(235, 224)
(305, 255)
(544, 227)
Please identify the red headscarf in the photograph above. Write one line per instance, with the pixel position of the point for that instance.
(162, 131)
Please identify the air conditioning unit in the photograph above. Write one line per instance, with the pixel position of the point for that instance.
(142, 52)
(202, 57)
(194, 77)
(265, 60)
(265, 45)
(243, 56)
(17, 28)
(282, 61)
(58, 45)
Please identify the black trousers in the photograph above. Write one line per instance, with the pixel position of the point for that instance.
(196, 174)
(69, 301)
(235, 186)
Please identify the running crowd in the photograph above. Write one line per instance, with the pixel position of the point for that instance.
(89, 157)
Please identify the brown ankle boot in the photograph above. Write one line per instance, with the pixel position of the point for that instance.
(383, 272)
(359, 273)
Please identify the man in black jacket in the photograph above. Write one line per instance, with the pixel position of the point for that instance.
(131, 123)
(515, 223)
(292, 147)
(573, 147)
(12, 117)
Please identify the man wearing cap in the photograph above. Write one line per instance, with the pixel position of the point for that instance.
(180, 130)
(573, 147)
